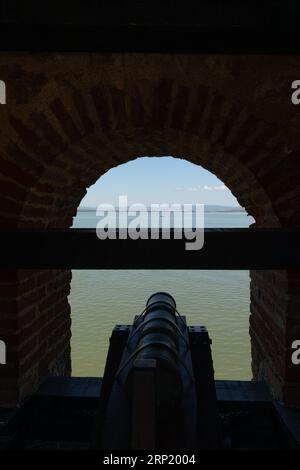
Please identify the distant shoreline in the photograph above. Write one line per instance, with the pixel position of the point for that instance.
(207, 208)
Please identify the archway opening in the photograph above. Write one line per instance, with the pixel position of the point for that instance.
(220, 300)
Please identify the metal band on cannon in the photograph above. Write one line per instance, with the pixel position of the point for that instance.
(157, 340)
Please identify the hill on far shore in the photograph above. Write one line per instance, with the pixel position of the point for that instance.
(207, 208)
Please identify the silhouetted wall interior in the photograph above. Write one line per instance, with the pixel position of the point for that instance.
(71, 117)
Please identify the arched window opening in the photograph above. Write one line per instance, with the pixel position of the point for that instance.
(220, 300)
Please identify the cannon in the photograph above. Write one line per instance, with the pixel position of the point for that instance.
(158, 388)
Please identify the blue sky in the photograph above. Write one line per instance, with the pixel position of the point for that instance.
(159, 179)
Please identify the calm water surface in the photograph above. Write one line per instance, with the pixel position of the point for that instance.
(217, 299)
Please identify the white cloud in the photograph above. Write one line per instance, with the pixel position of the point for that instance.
(190, 188)
(215, 188)
(206, 187)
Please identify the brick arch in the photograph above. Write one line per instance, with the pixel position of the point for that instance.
(75, 154)
(64, 105)
(66, 127)
(72, 187)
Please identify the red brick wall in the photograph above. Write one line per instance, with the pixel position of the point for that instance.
(274, 325)
(35, 325)
(70, 118)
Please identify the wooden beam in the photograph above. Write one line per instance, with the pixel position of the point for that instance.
(214, 26)
(81, 249)
(147, 39)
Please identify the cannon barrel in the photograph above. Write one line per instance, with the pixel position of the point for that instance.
(158, 344)
(158, 388)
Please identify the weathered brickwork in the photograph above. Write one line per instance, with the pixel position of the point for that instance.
(35, 325)
(70, 118)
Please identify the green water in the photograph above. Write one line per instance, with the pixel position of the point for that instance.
(217, 299)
